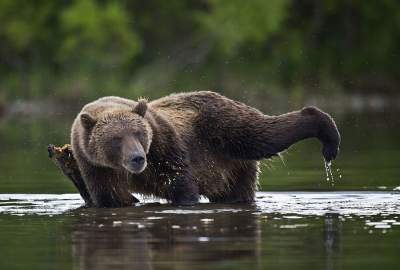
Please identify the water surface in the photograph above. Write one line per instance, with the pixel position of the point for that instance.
(282, 230)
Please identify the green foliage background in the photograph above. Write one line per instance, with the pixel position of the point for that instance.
(82, 49)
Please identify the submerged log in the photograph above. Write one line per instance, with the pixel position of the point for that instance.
(65, 161)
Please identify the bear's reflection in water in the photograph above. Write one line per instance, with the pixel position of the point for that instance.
(154, 236)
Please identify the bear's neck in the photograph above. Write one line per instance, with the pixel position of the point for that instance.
(165, 155)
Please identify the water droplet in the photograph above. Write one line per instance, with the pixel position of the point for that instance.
(204, 239)
(207, 220)
(117, 223)
(329, 174)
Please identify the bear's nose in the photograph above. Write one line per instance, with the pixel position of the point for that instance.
(138, 160)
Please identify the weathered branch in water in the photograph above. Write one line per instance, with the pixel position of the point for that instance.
(65, 161)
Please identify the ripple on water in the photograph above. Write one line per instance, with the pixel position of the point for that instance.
(293, 226)
(291, 205)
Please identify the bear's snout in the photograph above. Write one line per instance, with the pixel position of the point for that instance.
(136, 163)
(133, 155)
(137, 160)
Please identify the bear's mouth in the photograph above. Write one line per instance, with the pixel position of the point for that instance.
(135, 168)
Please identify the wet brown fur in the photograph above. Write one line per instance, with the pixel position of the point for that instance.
(200, 143)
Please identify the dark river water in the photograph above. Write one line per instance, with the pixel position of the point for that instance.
(299, 220)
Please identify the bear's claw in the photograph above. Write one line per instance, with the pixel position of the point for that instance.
(330, 152)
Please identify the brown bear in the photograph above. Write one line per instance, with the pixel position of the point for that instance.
(185, 145)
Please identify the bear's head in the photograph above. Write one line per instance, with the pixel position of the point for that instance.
(119, 139)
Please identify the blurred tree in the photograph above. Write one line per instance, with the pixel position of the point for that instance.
(238, 23)
(86, 48)
(99, 33)
(25, 26)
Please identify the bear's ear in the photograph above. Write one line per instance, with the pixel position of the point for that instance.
(87, 121)
(141, 107)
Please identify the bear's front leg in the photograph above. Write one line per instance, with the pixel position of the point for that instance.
(183, 190)
(105, 187)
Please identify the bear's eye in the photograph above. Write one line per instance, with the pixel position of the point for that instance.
(135, 134)
(139, 136)
(116, 141)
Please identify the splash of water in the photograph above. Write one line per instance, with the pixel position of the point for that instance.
(329, 174)
(338, 171)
